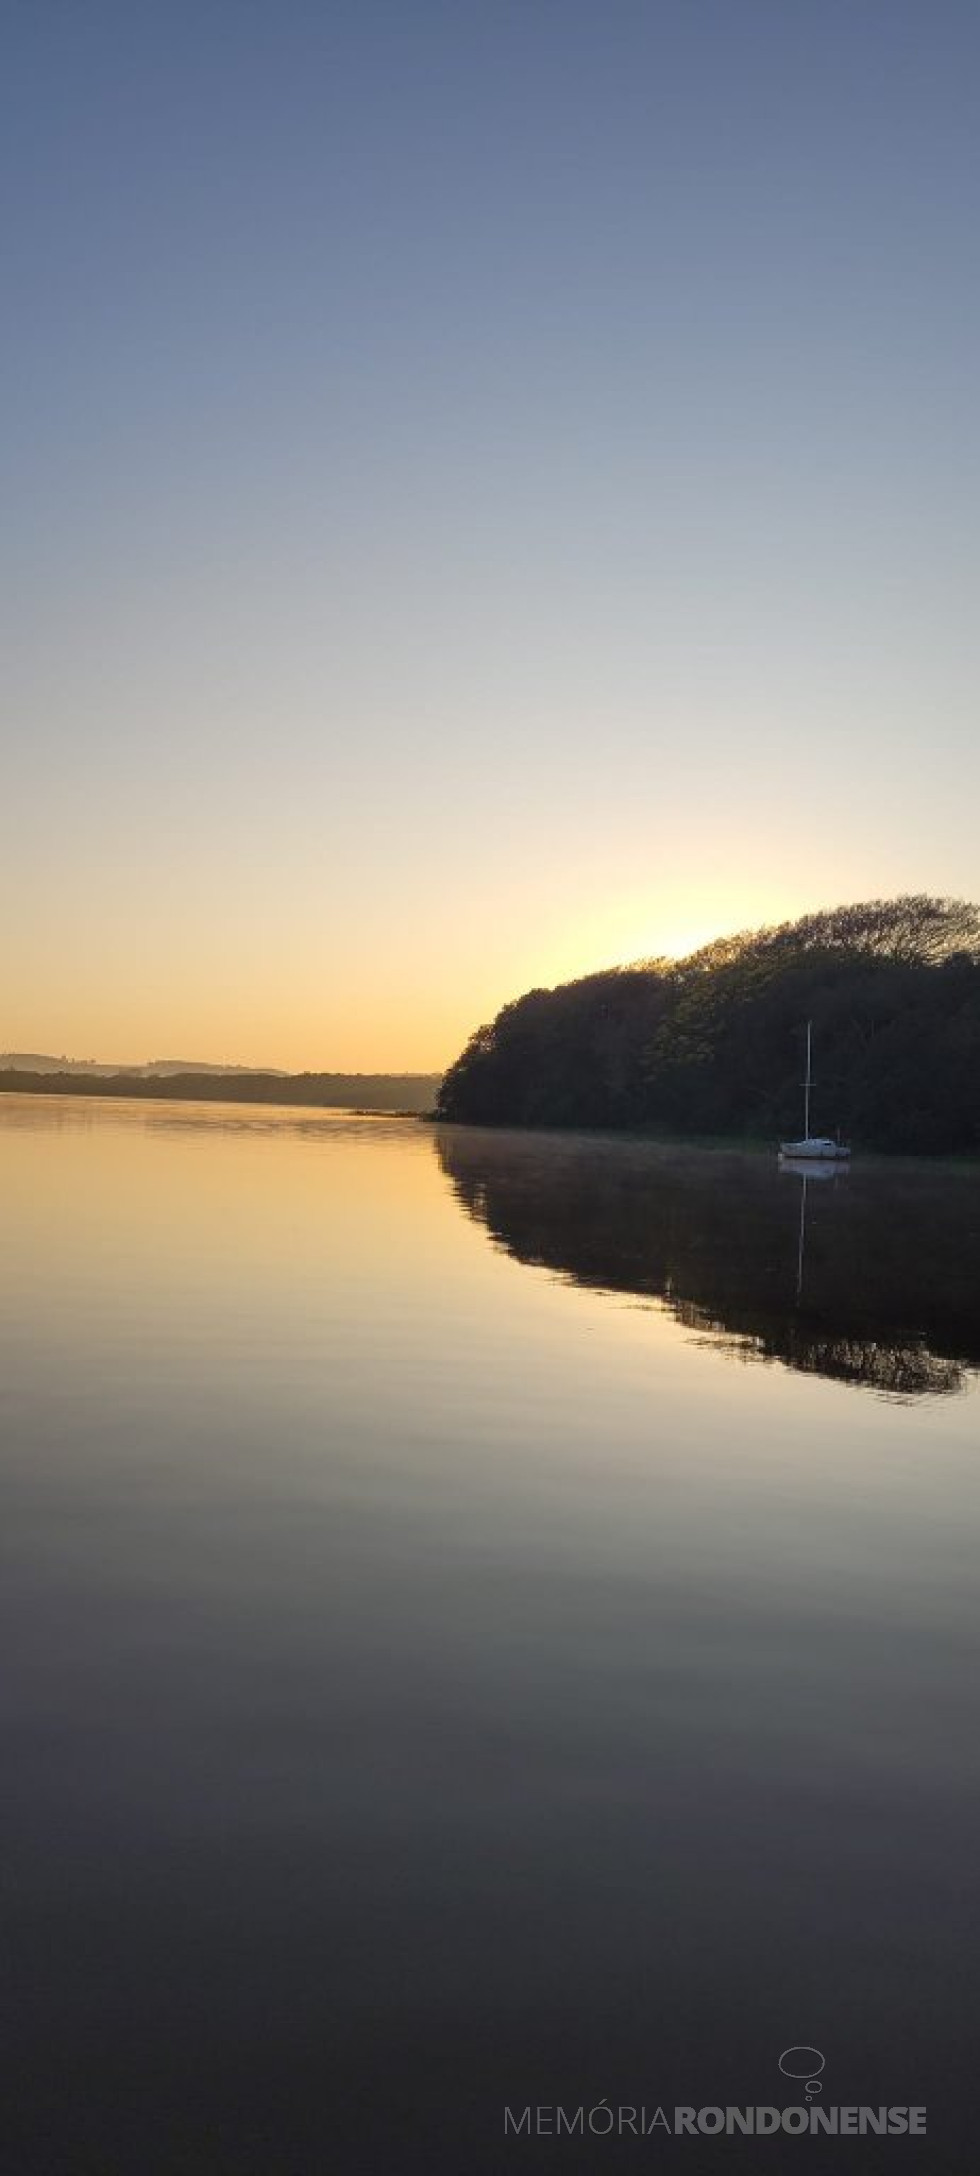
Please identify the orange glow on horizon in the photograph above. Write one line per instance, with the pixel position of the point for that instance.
(400, 1002)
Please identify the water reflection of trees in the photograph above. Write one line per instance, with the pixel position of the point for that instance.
(881, 1294)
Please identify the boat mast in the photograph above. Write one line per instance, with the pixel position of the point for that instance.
(806, 1084)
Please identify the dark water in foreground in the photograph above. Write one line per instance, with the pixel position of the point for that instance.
(486, 1622)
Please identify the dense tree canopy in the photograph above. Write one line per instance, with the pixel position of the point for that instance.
(714, 1043)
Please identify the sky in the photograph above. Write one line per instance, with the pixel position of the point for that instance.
(490, 491)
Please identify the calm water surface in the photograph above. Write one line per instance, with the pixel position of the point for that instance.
(488, 1621)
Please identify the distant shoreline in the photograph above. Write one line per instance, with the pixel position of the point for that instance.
(405, 1095)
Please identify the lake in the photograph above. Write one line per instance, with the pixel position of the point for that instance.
(490, 1623)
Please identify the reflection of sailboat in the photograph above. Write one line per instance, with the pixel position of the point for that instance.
(813, 1148)
(801, 1248)
(801, 1251)
(805, 1171)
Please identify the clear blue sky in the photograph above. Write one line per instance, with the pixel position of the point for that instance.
(489, 490)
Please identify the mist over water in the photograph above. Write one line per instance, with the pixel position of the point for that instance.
(489, 1620)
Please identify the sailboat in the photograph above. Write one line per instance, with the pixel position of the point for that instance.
(814, 1147)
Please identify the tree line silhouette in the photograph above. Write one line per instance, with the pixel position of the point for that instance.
(713, 1044)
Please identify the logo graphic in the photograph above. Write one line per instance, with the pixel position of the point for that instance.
(804, 2062)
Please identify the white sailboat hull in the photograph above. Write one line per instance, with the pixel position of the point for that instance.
(815, 1150)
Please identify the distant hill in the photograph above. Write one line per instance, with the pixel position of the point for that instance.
(33, 1061)
(714, 1044)
(412, 1093)
(163, 1066)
